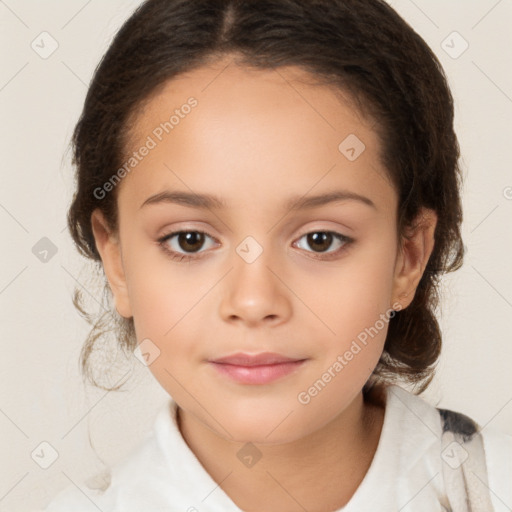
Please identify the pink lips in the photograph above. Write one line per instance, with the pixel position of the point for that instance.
(256, 369)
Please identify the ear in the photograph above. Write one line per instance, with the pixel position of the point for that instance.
(415, 250)
(109, 248)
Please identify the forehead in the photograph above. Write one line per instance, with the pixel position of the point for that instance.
(226, 91)
(253, 132)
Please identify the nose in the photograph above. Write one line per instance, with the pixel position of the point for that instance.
(254, 293)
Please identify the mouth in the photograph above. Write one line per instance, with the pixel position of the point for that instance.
(256, 369)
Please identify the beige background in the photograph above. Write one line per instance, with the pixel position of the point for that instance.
(42, 398)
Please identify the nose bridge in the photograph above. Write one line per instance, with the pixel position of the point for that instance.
(253, 291)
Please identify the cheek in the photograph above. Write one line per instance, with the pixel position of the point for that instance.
(357, 307)
(361, 289)
(168, 309)
(159, 293)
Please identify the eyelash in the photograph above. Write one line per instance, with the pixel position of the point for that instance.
(177, 256)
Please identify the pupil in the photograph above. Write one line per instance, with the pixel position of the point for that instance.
(192, 239)
(321, 239)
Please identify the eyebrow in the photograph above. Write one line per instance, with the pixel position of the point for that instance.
(211, 202)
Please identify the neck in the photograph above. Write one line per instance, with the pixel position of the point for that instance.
(329, 463)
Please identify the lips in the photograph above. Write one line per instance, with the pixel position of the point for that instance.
(258, 369)
(264, 358)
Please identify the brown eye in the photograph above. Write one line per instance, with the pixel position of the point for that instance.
(190, 241)
(321, 241)
(183, 243)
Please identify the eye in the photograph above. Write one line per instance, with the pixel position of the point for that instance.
(188, 241)
(186, 245)
(320, 241)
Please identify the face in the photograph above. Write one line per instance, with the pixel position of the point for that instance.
(256, 271)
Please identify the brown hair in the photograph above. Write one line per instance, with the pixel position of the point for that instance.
(362, 47)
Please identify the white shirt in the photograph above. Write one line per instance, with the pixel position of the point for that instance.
(163, 474)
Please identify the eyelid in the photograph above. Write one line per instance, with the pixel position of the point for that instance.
(187, 229)
(166, 237)
(181, 256)
(323, 256)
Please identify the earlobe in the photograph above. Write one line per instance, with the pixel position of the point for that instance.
(412, 259)
(109, 248)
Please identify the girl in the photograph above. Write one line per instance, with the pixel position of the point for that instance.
(272, 189)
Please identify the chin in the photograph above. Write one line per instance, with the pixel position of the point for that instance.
(257, 437)
(264, 430)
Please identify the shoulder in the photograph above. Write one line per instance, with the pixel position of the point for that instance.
(130, 480)
(103, 490)
(498, 455)
(470, 455)
(75, 497)
(412, 411)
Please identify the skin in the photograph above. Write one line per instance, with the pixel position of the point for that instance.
(255, 139)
